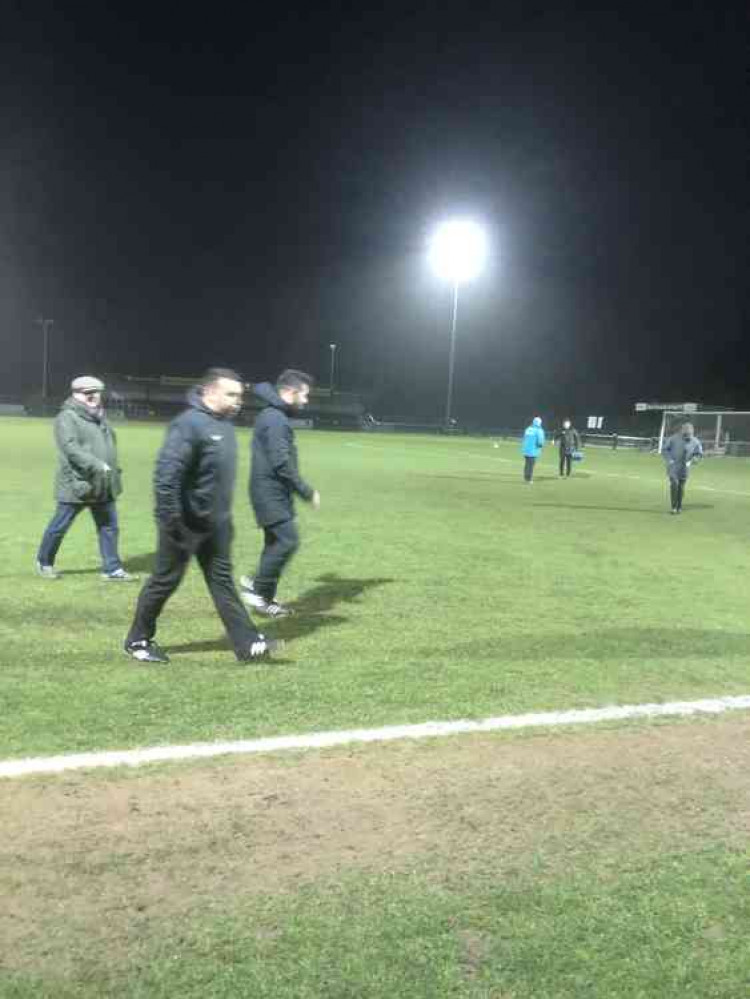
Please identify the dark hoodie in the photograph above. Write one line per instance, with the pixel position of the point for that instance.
(196, 467)
(274, 475)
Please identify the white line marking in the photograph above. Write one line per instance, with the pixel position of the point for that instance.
(643, 479)
(323, 740)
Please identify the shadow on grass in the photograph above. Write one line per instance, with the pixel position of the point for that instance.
(616, 645)
(136, 563)
(311, 613)
(660, 512)
(140, 563)
(492, 475)
(332, 590)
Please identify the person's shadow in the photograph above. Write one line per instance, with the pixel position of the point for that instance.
(136, 563)
(311, 612)
(140, 563)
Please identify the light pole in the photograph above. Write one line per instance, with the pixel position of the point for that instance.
(333, 363)
(457, 252)
(45, 324)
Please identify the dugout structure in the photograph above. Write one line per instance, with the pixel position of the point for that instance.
(721, 431)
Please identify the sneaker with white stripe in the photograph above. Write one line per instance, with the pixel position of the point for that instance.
(268, 608)
(262, 648)
(146, 652)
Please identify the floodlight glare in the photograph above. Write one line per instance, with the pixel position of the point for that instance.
(458, 250)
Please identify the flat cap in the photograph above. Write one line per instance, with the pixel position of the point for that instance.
(85, 383)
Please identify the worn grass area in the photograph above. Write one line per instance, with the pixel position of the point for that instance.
(609, 864)
(432, 584)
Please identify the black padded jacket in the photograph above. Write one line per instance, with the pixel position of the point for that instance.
(196, 468)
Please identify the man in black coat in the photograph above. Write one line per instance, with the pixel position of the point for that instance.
(194, 485)
(274, 481)
(569, 441)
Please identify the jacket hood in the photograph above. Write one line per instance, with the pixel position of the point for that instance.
(195, 398)
(268, 395)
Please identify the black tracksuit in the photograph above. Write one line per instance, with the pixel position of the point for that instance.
(194, 485)
(274, 481)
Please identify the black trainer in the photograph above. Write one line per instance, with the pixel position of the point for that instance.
(146, 652)
(269, 608)
(261, 649)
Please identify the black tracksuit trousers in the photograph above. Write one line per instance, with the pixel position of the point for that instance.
(213, 552)
(281, 542)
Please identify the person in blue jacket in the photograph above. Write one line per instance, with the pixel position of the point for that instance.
(531, 447)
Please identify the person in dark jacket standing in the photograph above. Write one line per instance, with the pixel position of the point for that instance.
(569, 440)
(194, 486)
(679, 452)
(274, 481)
(88, 477)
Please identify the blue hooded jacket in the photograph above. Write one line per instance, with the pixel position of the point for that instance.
(533, 439)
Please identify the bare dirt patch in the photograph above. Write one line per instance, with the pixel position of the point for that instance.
(94, 857)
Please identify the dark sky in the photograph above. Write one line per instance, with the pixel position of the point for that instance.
(242, 186)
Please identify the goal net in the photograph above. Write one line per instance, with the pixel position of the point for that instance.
(719, 431)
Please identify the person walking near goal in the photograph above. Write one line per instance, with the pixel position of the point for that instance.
(680, 451)
(569, 441)
(531, 447)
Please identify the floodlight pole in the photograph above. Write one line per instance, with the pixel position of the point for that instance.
(45, 324)
(662, 430)
(333, 363)
(451, 358)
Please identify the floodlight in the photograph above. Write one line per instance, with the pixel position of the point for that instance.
(458, 250)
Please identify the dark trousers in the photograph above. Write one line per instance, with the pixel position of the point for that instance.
(676, 492)
(566, 460)
(281, 541)
(107, 531)
(528, 468)
(213, 552)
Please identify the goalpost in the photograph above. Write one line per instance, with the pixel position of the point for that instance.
(721, 431)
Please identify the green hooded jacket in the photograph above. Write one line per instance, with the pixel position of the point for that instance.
(85, 444)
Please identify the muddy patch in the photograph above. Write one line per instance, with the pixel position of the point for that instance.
(97, 857)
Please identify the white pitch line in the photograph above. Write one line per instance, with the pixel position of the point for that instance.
(644, 479)
(324, 740)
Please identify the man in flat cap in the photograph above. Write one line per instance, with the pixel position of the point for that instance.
(88, 477)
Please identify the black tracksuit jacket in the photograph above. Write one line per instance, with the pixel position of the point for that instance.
(274, 474)
(196, 469)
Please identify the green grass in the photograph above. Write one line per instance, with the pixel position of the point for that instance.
(432, 585)
(660, 931)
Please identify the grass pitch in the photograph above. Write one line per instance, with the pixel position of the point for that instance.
(432, 584)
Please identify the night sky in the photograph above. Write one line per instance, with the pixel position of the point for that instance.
(228, 185)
